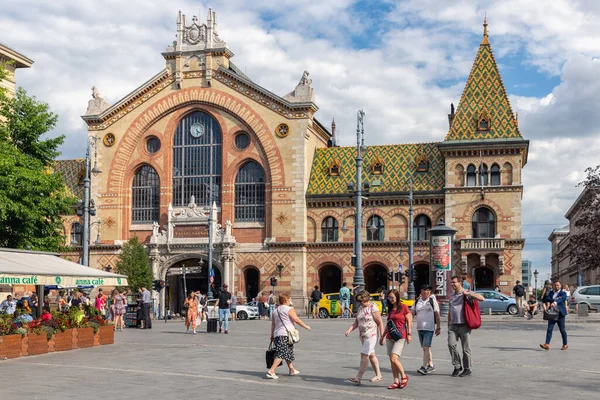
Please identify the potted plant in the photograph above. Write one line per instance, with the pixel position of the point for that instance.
(63, 337)
(10, 337)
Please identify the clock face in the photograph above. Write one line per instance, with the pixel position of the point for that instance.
(197, 129)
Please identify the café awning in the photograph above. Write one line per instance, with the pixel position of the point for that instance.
(21, 267)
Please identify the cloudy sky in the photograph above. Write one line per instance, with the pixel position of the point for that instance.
(403, 62)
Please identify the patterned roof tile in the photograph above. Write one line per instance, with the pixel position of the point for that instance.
(72, 171)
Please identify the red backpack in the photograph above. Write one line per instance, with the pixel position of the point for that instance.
(472, 313)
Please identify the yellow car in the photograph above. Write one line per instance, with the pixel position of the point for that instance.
(330, 306)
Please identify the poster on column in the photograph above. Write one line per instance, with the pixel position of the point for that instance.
(441, 253)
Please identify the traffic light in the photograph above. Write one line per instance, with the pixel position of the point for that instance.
(400, 278)
(158, 285)
(390, 276)
(273, 281)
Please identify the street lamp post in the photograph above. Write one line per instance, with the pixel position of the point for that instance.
(411, 270)
(209, 293)
(88, 207)
(535, 275)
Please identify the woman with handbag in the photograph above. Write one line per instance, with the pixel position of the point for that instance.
(397, 334)
(284, 334)
(555, 314)
(369, 324)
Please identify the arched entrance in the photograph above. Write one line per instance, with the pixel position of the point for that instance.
(194, 281)
(421, 275)
(375, 278)
(330, 279)
(252, 280)
(484, 278)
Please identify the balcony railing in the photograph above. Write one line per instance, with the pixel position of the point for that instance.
(482, 244)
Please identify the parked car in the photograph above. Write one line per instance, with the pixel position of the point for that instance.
(325, 305)
(242, 311)
(498, 302)
(589, 295)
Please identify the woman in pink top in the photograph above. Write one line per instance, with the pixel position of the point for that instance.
(369, 324)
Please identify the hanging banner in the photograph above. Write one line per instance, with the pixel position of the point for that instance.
(441, 252)
(66, 281)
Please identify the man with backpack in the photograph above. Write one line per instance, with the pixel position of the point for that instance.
(427, 312)
(315, 298)
(519, 292)
(458, 327)
(345, 300)
(271, 300)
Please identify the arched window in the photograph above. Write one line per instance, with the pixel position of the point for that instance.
(495, 175)
(76, 234)
(377, 234)
(197, 160)
(250, 193)
(145, 195)
(329, 230)
(484, 223)
(483, 175)
(421, 225)
(471, 175)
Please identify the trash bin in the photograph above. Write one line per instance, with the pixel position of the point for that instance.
(334, 307)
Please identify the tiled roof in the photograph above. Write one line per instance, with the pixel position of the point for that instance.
(484, 93)
(72, 170)
(399, 163)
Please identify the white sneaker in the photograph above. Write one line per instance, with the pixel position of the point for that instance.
(194, 332)
(272, 376)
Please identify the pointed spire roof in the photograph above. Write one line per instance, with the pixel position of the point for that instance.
(484, 111)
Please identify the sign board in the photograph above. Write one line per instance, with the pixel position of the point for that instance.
(503, 283)
(441, 253)
(190, 231)
(64, 281)
(188, 270)
(211, 272)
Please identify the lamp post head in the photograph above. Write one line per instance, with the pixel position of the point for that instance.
(373, 227)
(96, 171)
(344, 226)
(535, 273)
(279, 268)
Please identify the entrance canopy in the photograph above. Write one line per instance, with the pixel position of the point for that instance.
(21, 267)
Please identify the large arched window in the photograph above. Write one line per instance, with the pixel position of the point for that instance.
(76, 234)
(250, 193)
(471, 175)
(484, 223)
(145, 195)
(375, 234)
(329, 230)
(421, 225)
(197, 160)
(483, 175)
(495, 175)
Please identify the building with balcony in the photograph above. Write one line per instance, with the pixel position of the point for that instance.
(202, 135)
(12, 60)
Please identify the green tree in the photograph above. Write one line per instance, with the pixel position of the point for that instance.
(135, 263)
(32, 196)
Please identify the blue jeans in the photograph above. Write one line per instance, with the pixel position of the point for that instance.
(384, 306)
(224, 314)
(561, 327)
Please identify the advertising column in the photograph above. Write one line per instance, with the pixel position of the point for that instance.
(440, 242)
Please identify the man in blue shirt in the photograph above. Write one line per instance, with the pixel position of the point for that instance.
(345, 300)
(8, 306)
(466, 285)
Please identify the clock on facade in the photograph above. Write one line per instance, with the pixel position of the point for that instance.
(197, 129)
(282, 130)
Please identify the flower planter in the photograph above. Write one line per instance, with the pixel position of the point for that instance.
(63, 340)
(52, 344)
(106, 334)
(37, 344)
(85, 337)
(10, 346)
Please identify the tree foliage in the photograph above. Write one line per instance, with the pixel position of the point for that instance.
(135, 263)
(32, 195)
(585, 238)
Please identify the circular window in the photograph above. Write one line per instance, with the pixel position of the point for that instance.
(152, 144)
(242, 141)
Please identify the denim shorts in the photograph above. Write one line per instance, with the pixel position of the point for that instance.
(425, 337)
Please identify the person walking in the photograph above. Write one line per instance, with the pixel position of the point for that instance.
(191, 303)
(427, 312)
(233, 306)
(146, 302)
(545, 291)
(399, 315)
(315, 299)
(558, 298)
(263, 306)
(567, 290)
(345, 300)
(284, 320)
(369, 324)
(383, 296)
(519, 292)
(271, 300)
(458, 329)
(119, 309)
(223, 305)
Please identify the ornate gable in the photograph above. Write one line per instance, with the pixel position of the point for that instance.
(484, 111)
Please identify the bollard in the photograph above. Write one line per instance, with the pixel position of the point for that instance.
(582, 310)
(488, 311)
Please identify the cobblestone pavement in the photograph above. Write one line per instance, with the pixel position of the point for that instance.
(167, 363)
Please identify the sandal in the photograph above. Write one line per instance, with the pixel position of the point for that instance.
(404, 382)
(376, 379)
(394, 385)
(354, 380)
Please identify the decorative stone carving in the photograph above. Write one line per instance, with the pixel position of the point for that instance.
(97, 104)
(464, 264)
(501, 265)
(303, 92)
(482, 261)
(196, 36)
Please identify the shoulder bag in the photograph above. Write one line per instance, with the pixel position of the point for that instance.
(293, 335)
(393, 330)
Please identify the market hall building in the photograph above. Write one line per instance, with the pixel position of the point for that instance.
(201, 134)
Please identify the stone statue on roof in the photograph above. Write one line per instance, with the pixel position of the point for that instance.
(97, 104)
(303, 92)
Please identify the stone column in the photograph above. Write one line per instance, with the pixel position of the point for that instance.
(226, 259)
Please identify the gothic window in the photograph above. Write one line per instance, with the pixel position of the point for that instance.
(329, 230)
(145, 195)
(484, 125)
(197, 156)
(495, 175)
(471, 175)
(334, 168)
(484, 223)
(377, 234)
(250, 193)
(483, 175)
(76, 234)
(377, 168)
(421, 226)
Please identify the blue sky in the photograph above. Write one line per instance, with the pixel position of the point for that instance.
(403, 62)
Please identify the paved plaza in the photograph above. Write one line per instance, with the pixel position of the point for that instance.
(167, 363)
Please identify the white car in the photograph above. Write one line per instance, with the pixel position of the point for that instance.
(242, 311)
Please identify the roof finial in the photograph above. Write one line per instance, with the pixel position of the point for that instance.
(485, 31)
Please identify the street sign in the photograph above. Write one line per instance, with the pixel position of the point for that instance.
(188, 270)
(211, 272)
(399, 267)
